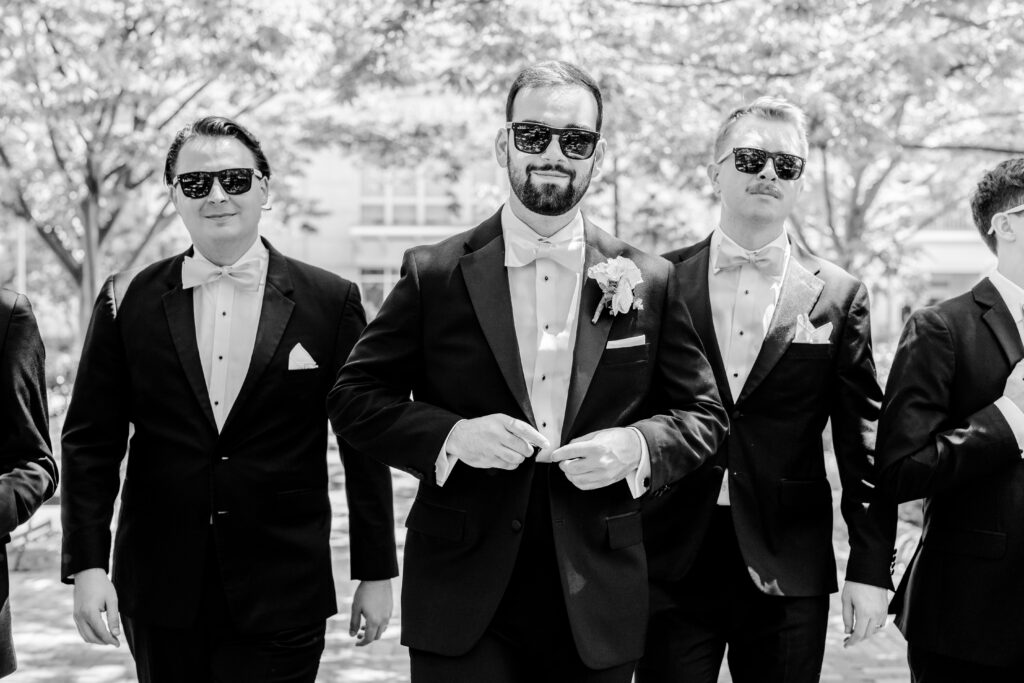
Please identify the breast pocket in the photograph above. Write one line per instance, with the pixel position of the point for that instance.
(805, 351)
(629, 355)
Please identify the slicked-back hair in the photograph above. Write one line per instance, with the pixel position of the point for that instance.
(1000, 189)
(554, 74)
(214, 126)
(768, 108)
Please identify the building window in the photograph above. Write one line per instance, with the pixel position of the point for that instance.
(374, 285)
(424, 196)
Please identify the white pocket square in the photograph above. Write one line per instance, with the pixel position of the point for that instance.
(806, 333)
(299, 359)
(627, 342)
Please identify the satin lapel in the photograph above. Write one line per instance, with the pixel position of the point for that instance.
(999, 320)
(274, 316)
(800, 290)
(693, 274)
(590, 337)
(487, 282)
(180, 310)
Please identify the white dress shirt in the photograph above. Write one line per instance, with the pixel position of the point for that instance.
(227, 318)
(545, 296)
(743, 301)
(1013, 297)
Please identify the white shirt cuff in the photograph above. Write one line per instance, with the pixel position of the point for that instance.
(445, 462)
(641, 480)
(1014, 417)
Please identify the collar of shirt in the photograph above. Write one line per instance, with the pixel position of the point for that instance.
(570, 237)
(782, 241)
(258, 251)
(1012, 293)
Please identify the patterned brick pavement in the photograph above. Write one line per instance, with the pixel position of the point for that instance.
(49, 648)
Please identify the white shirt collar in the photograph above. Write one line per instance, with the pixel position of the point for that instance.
(256, 250)
(514, 228)
(1012, 293)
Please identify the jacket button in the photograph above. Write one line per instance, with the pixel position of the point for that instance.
(517, 525)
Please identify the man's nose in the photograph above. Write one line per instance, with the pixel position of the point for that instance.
(554, 149)
(767, 174)
(217, 193)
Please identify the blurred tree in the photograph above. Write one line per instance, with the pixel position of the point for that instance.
(94, 91)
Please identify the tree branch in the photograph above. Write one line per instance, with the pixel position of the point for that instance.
(185, 102)
(163, 217)
(962, 148)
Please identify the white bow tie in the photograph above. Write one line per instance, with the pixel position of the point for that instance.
(768, 259)
(521, 252)
(196, 273)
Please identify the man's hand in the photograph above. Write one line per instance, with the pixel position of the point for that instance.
(373, 602)
(494, 441)
(1014, 389)
(95, 594)
(600, 458)
(864, 611)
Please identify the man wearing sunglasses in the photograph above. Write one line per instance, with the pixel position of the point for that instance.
(952, 432)
(537, 418)
(220, 358)
(741, 551)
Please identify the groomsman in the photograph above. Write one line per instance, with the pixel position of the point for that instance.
(220, 358)
(28, 472)
(741, 551)
(952, 432)
(542, 406)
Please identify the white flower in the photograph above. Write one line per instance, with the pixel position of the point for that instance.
(616, 277)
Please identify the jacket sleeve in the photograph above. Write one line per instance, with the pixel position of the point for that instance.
(367, 482)
(924, 451)
(870, 517)
(94, 442)
(691, 422)
(28, 471)
(371, 405)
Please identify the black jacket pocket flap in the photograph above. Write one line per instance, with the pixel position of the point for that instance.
(625, 530)
(435, 520)
(989, 545)
(625, 355)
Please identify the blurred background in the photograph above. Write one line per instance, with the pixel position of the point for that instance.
(378, 118)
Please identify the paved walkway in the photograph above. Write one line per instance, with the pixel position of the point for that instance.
(49, 648)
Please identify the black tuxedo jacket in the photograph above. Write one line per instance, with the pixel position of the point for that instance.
(28, 472)
(780, 499)
(446, 335)
(942, 439)
(261, 482)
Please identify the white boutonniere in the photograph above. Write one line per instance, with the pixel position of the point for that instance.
(616, 277)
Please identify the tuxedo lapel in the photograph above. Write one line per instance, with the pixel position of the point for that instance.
(590, 337)
(179, 307)
(800, 290)
(275, 313)
(486, 278)
(999, 320)
(693, 274)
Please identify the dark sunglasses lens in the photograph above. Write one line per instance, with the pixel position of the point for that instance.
(578, 144)
(235, 180)
(531, 139)
(750, 160)
(195, 185)
(788, 166)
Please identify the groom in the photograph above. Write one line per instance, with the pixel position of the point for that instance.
(538, 414)
(220, 358)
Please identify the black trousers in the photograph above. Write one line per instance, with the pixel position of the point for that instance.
(212, 650)
(931, 667)
(770, 639)
(530, 639)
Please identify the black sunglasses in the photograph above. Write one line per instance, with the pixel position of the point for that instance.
(197, 184)
(534, 138)
(752, 160)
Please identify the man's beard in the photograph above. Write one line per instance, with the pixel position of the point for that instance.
(548, 199)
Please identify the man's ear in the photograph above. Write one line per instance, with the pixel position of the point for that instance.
(1003, 229)
(712, 171)
(501, 147)
(172, 195)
